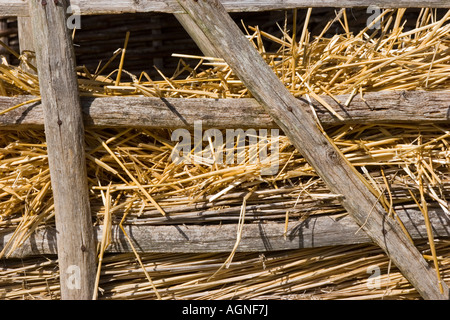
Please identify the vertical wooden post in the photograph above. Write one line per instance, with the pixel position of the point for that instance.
(65, 144)
(340, 176)
(26, 42)
(25, 32)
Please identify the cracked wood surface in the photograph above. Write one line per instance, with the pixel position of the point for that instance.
(145, 112)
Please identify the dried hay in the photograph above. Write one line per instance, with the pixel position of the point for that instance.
(132, 180)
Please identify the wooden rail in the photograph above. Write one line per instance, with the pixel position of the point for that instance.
(312, 232)
(87, 7)
(375, 108)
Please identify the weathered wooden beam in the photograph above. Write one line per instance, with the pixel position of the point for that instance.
(197, 35)
(65, 145)
(340, 176)
(19, 7)
(25, 30)
(377, 108)
(313, 232)
(26, 42)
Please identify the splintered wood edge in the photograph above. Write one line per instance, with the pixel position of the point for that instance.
(313, 232)
(372, 108)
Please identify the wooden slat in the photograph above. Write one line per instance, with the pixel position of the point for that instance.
(13, 8)
(25, 31)
(19, 7)
(314, 232)
(64, 132)
(197, 35)
(358, 199)
(376, 108)
(26, 42)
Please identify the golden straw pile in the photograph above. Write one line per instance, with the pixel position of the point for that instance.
(382, 56)
(132, 179)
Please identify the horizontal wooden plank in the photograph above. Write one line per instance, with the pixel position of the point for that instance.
(20, 7)
(315, 231)
(375, 107)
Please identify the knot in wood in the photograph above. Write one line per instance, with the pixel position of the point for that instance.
(332, 155)
(44, 2)
(59, 122)
(83, 248)
(404, 95)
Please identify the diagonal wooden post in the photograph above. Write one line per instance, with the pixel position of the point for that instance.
(340, 176)
(65, 145)
(197, 35)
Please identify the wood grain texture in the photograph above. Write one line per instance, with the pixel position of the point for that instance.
(340, 176)
(25, 34)
(206, 47)
(145, 112)
(26, 43)
(64, 132)
(19, 7)
(313, 232)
